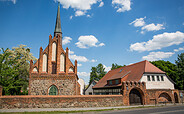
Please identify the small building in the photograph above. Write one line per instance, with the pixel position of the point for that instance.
(54, 73)
(139, 83)
(89, 90)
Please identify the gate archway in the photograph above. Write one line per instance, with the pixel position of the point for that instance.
(135, 97)
(164, 97)
(176, 97)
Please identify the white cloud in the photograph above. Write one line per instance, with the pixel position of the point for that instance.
(153, 56)
(66, 40)
(71, 17)
(79, 13)
(101, 4)
(122, 5)
(79, 58)
(107, 68)
(14, 1)
(79, 5)
(153, 27)
(179, 49)
(71, 52)
(85, 74)
(88, 15)
(146, 27)
(79, 65)
(88, 41)
(138, 22)
(93, 60)
(159, 41)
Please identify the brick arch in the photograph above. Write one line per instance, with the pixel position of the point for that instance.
(164, 97)
(140, 94)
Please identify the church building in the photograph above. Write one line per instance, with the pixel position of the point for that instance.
(53, 73)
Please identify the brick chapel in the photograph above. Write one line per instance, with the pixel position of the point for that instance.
(53, 73)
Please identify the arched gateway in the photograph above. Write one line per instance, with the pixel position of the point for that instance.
(135, 97)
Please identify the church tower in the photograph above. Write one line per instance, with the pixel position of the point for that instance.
(53, 73)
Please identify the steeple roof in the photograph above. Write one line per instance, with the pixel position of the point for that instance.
(58, 22)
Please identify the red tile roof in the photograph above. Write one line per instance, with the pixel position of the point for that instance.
(131, 72)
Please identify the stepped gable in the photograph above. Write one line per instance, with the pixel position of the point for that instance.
(131, 72)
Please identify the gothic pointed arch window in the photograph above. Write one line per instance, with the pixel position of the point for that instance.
(44, 67)
(71, 69)
(53, 90)
(54, 51)
(62, 62)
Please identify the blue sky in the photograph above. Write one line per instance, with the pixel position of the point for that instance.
(98, 31)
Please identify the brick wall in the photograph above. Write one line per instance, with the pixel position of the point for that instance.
(7, 102)
(1, 90)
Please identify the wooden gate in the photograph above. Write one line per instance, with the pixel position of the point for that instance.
(135, 97)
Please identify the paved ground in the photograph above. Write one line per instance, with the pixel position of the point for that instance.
(179, 108)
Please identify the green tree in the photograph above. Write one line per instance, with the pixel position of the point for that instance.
(180, 69)
(97, 73)
(115, 66)
(170, 69)
(14, 69)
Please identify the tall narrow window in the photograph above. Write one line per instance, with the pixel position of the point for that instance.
(62, 62)
(153, 78)
(44, 67)
(148, 78)
(158, 78)
(162, 78)
(53, 90)
(54, 51)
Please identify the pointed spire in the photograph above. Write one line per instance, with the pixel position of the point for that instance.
(58, 23)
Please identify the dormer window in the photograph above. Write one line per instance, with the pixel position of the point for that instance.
(116, 81)
(120, 70)
(110, 82)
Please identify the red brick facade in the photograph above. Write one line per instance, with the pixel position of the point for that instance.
(149, 96)
(65, 81)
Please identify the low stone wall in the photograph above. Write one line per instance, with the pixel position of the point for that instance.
(7, 102)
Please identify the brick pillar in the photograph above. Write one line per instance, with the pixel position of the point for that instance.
(1, 90)
(49, 57)
(75, 67)
(66, 61)
(40, 60)
(58, 53)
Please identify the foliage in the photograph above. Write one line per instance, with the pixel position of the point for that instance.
(180, 69)
(170, 69)
(14, 70)
(97, 72)
(115, 66)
